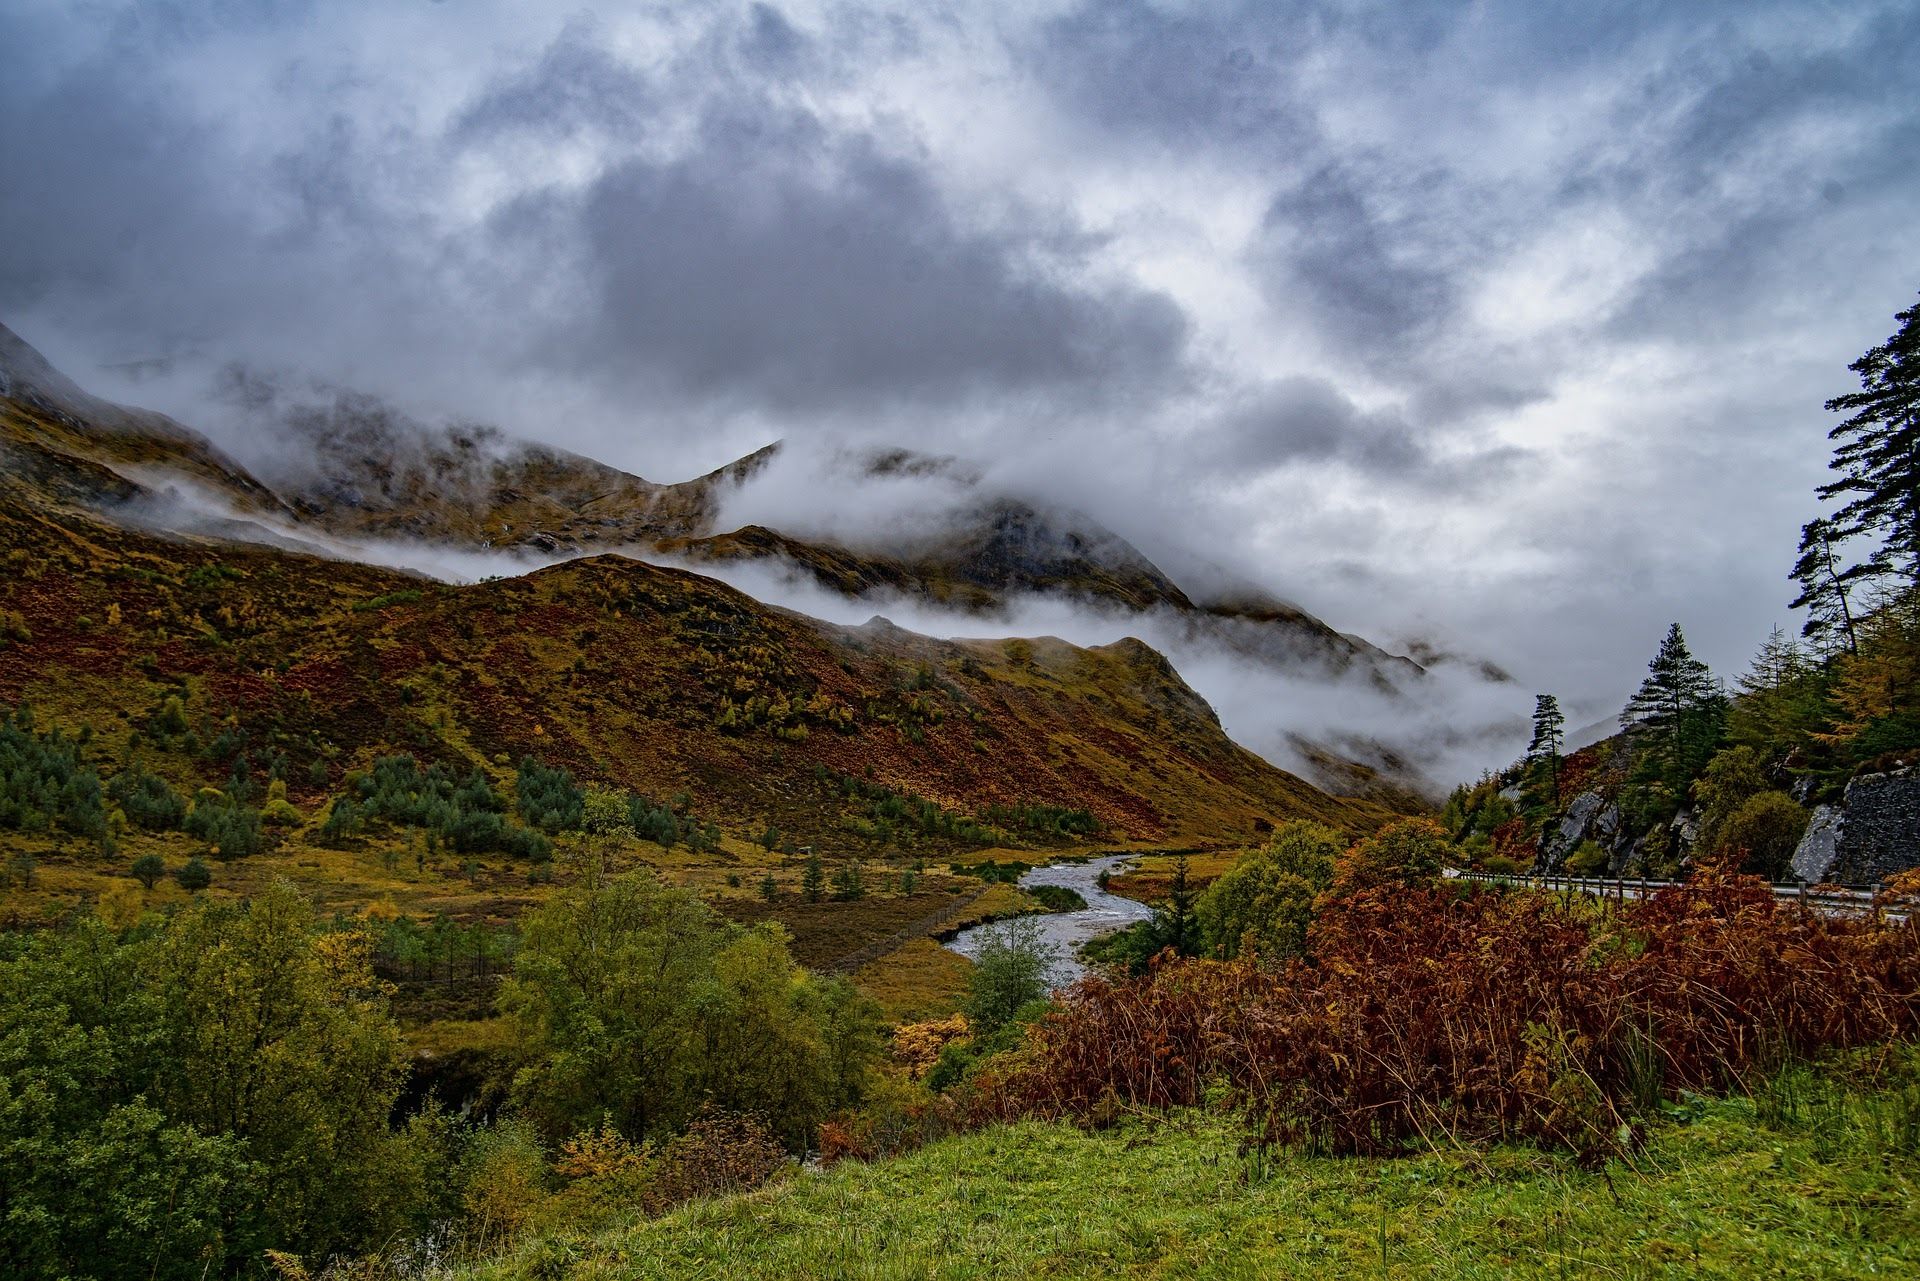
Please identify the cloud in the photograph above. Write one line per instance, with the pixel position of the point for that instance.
(1507, 323)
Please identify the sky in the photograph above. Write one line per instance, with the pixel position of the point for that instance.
(1502, 325)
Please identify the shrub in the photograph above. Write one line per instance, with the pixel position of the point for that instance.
(1765, 829)
(147, 800)
(148, 869)
(721, 1153)
(194, 875)
(605, 813)
(1408, 853)
(1588, 858)
(1432, 1013)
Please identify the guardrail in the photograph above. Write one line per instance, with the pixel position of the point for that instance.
(1830, 901)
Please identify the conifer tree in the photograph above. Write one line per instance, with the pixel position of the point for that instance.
(814, 879)
(1547, 737)
(1878, 449)
(1827, 585)
(1678, 713)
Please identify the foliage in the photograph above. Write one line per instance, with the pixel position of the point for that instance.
(1877, 455)
(194, 875)
(1014, 967)
(148, 869)
(549, 798)
(464, 812)
(1677, 716)
(1438, 1011)
(231, 830)
(146, 799)
(1766, 830)
(638, 1004)
(1263, 904)
(44, 783)
(175, 1100)
(1406, 854)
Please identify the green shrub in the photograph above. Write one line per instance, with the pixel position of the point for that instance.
(549, 798)
(148, 869)
(194, 875)
(1265, 901)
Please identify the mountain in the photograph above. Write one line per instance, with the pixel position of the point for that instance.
(350, 474)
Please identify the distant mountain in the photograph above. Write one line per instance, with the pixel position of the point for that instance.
(348, 469)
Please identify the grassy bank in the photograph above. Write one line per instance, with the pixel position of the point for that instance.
(1811, 1179)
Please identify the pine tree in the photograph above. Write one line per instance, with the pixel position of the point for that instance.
(1678, 713)
(769, 887)
(1547, 738)
(1179, 928)
(1878, 454)
(814, 879)
(1827, 585)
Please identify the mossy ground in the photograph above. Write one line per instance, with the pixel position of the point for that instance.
(1715, 1193)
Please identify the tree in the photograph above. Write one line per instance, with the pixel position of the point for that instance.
(813, 880)
(1265, 901)
(639, 1004)
(1878, 451)
(194, 875)
(1410, 852)
(1678, 713)
(849, 883)
(769, 887)
(1826, 586)
(148, 869)
(1014, 967)
(1178, 926)
(1545, 747)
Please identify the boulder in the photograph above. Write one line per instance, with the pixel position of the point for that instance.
(1882, 832)
(1819, 849)
(1590, 816)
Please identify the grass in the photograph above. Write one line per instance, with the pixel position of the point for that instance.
(921, 980)
(1718, 1192)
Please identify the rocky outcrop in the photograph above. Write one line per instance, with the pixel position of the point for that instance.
(1819, 849)
(1590, 817)
(1881, 835)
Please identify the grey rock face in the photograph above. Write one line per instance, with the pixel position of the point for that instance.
(1590, 817)
(1882, 833)
(1819, 849)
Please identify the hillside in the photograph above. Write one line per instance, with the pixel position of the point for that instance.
(351, 475)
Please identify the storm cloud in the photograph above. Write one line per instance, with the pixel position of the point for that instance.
(1503, 325)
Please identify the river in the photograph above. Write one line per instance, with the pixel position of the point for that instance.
(1103, 914)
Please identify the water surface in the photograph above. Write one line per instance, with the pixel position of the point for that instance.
(1103, 914)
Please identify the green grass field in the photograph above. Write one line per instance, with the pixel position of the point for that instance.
(1827, 1186)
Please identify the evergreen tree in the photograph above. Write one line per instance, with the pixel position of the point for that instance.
(1678, 714)
(1548, 723)
(769, 887)
(814, 879)
(1177, 925)
(1826, 586)
(1878, 454)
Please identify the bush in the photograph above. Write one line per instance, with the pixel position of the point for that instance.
(205, 1088)
(147, 800)
(1437, 1010)
(1765, 830)
(1408, 853)
(148, 869)
(194, 875)
(1587, 859)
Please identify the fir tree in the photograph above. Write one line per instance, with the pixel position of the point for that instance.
(1678, 713)
(1878, 449)
(1547, 738)
(1827, 585)
(814, 879)
(1179, 928)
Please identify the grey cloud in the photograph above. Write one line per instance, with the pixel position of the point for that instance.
(813, 269)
